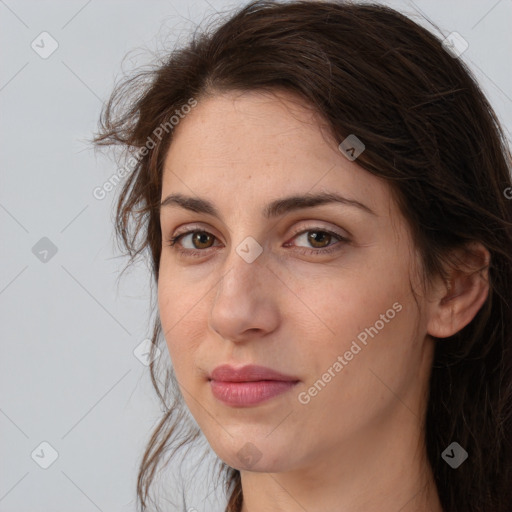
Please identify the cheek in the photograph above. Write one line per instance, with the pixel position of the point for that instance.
(179, 313)
(367, 311)
(352, 299)
(379, 361)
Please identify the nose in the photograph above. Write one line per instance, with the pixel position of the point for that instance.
(245, 305)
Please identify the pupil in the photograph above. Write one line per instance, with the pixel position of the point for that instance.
(315, 238)
(201, 238)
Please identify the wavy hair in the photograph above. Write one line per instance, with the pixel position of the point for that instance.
(429, 131)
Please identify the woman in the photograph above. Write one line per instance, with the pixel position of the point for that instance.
(322, 189)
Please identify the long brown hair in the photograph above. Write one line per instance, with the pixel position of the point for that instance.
(428, 130)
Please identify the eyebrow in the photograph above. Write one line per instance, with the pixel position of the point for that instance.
(274, 209)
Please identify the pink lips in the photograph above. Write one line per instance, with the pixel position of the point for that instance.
(248, 385)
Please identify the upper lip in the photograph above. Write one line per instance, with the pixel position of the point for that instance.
(249, 373)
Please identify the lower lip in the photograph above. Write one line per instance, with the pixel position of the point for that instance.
(249, 393)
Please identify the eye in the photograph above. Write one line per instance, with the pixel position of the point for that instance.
(200, 240)
(320, 239)
(195, 242)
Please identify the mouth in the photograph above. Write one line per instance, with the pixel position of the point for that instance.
(248, 385)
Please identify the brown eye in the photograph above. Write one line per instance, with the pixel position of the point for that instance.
(201, 239)
(319, 239)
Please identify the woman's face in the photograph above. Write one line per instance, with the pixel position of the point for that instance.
(316, 290)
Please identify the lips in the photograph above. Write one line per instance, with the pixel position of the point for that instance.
(249, 385)
(251, 373)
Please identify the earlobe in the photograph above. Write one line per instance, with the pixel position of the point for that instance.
(456, 303)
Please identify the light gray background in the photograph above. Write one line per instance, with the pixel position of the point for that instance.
(68, 373)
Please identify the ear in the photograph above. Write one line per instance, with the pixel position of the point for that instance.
(453, 304)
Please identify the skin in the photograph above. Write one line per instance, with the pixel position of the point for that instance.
(358, 444)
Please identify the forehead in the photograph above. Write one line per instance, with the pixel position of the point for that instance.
(255, 144)
(230, 125)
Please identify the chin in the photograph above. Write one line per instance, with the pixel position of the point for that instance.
(258, 454)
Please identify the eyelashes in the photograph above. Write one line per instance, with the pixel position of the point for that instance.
(176, 242)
